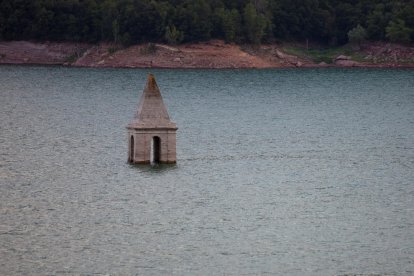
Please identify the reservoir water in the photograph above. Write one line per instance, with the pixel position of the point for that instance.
(280, 172)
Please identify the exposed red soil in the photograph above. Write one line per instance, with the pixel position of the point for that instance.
(393, 55)
(23, 52)
(212, 54)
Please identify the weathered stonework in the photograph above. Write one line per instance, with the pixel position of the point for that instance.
(151, 135)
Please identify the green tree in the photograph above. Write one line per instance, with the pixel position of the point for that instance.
(194, 17)
(115, 30)
(229, 22)
(357, 35)
(173, 36)
(347, 15)
(252, 21)
(397, 31)
(254, 24)
(377, 20)
(304, 19)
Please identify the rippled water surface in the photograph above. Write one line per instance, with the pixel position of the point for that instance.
(289, 172)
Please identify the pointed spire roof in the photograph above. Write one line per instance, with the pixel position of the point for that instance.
(152, 112)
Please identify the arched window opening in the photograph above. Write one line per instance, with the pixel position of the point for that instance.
(131, 149)
(155, 150)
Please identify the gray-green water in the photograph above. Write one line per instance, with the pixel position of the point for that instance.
(290, 172)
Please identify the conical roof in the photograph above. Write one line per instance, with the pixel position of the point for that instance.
(151, 112)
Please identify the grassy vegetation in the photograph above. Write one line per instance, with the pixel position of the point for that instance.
(71, 58)
(326, 55)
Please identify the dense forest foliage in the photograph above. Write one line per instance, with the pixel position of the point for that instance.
(331, 22)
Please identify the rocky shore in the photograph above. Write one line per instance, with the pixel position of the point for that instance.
(213, 54)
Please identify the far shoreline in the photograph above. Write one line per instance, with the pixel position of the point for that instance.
(213, 54)
(405, 67)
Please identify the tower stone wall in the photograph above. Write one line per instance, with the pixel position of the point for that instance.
(151, 132)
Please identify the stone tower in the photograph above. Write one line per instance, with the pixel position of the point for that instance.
(152, 135)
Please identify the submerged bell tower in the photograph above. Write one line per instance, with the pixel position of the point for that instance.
(151, 134)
